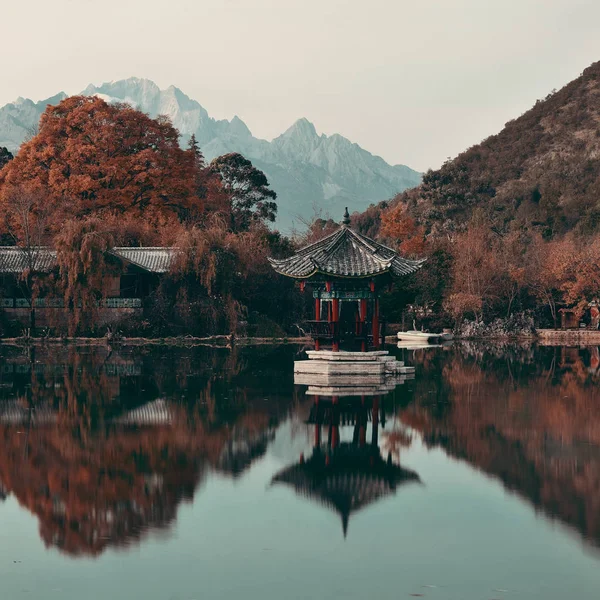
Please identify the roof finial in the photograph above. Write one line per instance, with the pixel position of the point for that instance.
(346, 220)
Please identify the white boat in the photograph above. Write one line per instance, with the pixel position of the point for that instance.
(424, 337)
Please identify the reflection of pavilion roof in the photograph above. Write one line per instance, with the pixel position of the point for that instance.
(152, 413)
(12, 412)
(345, 253)
(354, 478)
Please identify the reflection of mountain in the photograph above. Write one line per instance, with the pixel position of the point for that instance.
(533, 425)
(102, 467)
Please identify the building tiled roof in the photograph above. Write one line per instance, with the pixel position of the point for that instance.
(355, 478)
(153, 259)
(16, 260)
(345, 253)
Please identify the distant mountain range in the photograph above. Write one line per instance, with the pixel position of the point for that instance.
(307, 170)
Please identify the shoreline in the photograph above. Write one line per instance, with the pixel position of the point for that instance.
(542, 336)
(217, 341)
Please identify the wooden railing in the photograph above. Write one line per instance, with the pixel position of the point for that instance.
(59, 303)
(327, 331)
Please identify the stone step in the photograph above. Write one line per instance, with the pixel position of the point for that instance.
(342, 368)
(342, 355)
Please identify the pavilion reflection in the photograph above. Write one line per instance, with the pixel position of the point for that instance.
(346, 471)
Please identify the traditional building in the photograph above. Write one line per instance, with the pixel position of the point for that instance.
(347, 272)
(138, 272)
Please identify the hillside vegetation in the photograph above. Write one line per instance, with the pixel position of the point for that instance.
(513, 223)
(541, 171)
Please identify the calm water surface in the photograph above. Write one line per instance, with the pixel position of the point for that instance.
(184, 474)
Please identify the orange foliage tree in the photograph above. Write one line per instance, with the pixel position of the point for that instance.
(397, 224)
(91, 156)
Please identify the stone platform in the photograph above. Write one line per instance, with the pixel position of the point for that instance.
(341, 365)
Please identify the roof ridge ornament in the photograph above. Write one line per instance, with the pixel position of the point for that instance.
(346, 219)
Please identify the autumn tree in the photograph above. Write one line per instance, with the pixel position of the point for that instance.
(398, 225)
(252, 200)
(545, 267)
(315, 229)
(81, 248)
(26, 218)
(475, 273)
(90, 156)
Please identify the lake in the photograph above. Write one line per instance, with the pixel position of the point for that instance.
(176, 474)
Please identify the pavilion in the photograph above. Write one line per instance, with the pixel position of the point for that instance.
(346, 476)
(347, 272)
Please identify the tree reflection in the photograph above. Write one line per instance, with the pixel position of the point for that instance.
(104, 446)
(531, 419)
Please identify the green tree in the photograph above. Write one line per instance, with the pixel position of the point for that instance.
(252, 200)
(5, 156)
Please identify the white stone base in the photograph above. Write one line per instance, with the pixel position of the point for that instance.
(336, 365)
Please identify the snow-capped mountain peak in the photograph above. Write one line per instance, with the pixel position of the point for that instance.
(304, 168)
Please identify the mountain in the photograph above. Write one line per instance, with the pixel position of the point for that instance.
(19, 119)
(307, 170)
(542, 171)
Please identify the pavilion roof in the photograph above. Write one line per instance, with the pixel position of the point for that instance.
(345, 253)
(350, 482)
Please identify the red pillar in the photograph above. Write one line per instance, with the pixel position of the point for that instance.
(317, 318)
(335, 437)
(363, 318)
(335, 428)
(335, 317)
(375, 421)
(362, 436)
(376, 340)
(317, 424)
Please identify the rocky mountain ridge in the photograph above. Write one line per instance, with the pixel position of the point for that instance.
(307, 170)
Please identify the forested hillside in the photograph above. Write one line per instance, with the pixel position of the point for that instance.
(512, 224)
(542, 170)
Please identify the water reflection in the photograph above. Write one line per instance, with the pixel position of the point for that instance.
(346, 475)
(527, 416)
(104, 446)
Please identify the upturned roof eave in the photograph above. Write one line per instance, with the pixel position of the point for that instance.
(329, 274)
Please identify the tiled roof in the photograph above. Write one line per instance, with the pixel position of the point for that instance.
(345, 253)
(16, 260)
(155, 259)
(156, 412)
(354, 478)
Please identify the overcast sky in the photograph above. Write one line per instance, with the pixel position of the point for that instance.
(415, 82)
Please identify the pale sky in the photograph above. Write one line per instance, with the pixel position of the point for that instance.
(414, 82)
